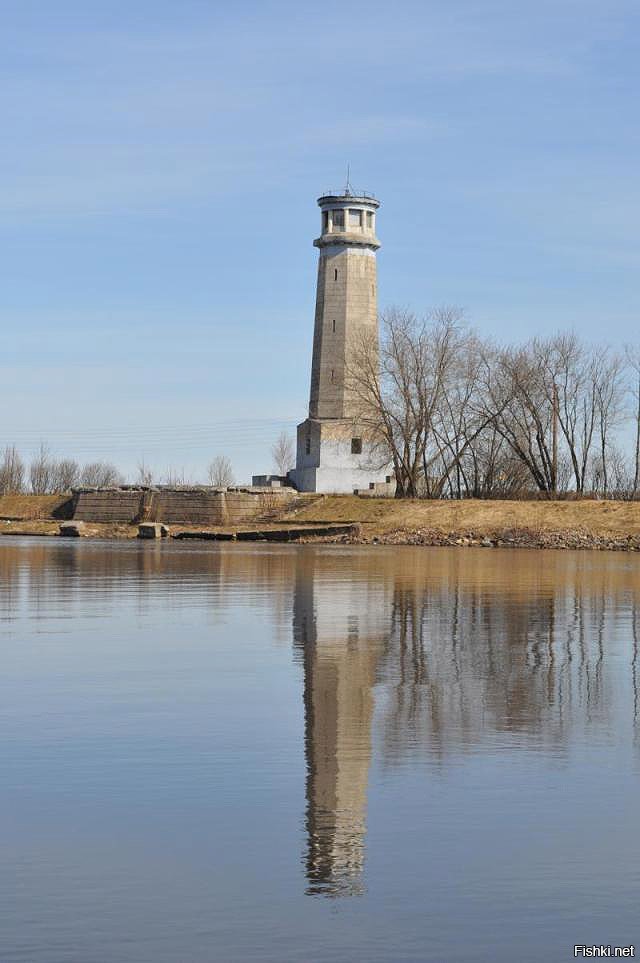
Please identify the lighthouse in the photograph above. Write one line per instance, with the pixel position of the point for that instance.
(335, 450)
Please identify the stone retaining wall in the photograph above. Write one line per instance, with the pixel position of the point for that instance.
(205, 508)
(108, 506)
(197, 506)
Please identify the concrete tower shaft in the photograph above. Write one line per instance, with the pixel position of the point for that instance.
(339, 448)
(346, 297)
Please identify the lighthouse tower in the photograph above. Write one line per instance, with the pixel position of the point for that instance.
(334, 451)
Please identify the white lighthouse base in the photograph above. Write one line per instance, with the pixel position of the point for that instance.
(333, 457)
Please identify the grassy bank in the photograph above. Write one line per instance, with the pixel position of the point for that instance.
(382, 515)
(28, 507)
(548, 524)
(559, 524)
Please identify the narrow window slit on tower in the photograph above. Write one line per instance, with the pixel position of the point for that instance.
(335, 274)
(332, 376)
(307, 446)
(334, 325)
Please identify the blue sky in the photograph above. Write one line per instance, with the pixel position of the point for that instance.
(160, 164)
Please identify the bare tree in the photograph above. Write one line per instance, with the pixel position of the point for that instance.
(609, 402)
(570, 375)
(492, 469)
(384, 383)
(560, 401)
(458, 420)
(283, 453)
(530, 387)
(41, 471)
(633, 359)
(100, 474)
(458, 416)
(176, 477)
(416, 396)
(221, 472)
(145, 474)
(11, 472)
(522, 416)
(65, 475)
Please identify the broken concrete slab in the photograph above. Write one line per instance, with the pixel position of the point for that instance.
(152, 530)
(73, 529)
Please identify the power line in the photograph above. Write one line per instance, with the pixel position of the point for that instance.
(240, 425)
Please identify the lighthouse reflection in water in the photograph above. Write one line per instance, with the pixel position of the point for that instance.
(338, 634)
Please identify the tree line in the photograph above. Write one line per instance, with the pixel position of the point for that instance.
(48, 475)
(459, 416)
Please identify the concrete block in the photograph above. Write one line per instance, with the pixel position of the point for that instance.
(152, 530)
(268, 481)
(73, 529)
(207, 536)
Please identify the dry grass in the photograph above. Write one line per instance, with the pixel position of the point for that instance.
(29, 527)
(50, 526)
(30, 506)
(380, 515)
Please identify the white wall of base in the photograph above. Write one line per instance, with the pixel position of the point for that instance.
(334, 481)
(326, 464)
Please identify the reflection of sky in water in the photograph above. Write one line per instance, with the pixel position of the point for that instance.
(463, 724)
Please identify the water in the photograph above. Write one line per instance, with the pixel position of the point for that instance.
(316, 753)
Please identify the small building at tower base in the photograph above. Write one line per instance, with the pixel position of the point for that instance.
(334, 457)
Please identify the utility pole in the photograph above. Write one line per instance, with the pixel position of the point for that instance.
(636, 477)
(554, 436)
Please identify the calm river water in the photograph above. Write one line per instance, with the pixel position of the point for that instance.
(312, 753)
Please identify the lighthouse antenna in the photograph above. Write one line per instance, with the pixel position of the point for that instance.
(348, 189)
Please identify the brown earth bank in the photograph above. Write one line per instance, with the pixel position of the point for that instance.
(518, 524)
(386, 514)
(533, 524)
(27, 507)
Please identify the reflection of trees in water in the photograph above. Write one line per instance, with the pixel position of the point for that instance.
(635, 634)
(463, 665)
(40, 578)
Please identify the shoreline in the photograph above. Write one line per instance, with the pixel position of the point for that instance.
(428, 538)
(585, 524)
